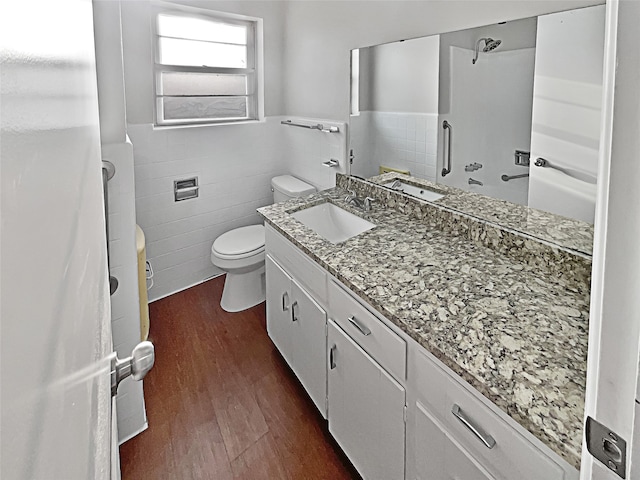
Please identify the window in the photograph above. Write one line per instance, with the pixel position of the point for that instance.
(206, 68)
(355, 81)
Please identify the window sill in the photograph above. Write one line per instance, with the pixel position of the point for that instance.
(202, 125)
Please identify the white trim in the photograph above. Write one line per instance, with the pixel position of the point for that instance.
(182, 289)
(600, 223)
(254, 71)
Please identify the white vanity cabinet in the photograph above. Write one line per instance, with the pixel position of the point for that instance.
(395, 410)
(454, 432)
(366, 409)
(297, 326)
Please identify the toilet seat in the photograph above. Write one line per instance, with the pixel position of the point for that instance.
(239, 243)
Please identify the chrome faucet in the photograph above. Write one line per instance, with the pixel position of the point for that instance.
(367, 203)
(352, 199)
(475, 182)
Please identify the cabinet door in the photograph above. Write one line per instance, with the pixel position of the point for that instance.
(309, 345)
(438, 456)
(279, 308)
(366, 409)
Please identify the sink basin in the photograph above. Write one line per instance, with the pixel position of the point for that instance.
(332, 223)
(414, 191)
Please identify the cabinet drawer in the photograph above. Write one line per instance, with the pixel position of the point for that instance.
(511, 456)
(308, 273)
(438, 456)
(378, 340)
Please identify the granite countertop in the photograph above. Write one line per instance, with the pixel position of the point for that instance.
(562, 231)
(515, 331)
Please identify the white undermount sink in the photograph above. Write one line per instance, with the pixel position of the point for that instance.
(420, 192)
(332, 222)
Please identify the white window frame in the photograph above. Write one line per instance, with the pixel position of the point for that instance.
(254, 70)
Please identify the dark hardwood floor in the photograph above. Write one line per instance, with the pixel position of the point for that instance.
(222, 403)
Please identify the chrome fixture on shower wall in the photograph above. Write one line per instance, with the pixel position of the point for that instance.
(489, 45)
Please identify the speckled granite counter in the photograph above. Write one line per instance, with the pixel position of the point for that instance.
(517, 332)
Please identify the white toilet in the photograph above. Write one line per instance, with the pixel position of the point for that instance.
(240, 252)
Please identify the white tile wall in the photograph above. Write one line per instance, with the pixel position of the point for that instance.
(406, 141)
(234, 165)
(125, 306)
(305, 150)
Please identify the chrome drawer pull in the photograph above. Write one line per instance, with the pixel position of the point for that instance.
(293, 311)
(332, 360)
(485, 438)
(363, 330)
(285, 301)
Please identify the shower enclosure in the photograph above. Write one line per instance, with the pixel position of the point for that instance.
(485, 104)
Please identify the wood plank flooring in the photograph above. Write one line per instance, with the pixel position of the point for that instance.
(222, 403)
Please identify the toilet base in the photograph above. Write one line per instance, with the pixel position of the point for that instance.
(243, 290)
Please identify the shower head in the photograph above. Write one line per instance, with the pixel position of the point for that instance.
(489, 45)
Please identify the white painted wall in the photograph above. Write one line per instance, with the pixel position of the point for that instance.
(125, 311)
(320, 35)
(396, 126)
(567, 110)
(403, 76)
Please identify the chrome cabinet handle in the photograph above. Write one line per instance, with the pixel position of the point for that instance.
(293, 311)
(485, 438)
(332, 360)
(363, 330)
(285, 301)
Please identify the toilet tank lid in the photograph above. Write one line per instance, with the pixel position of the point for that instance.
(291, 186)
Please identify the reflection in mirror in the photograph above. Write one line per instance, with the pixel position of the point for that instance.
(489, 102)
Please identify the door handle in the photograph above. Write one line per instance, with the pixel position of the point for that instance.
(285, 301)
(332, 359)
(137, 365)
(485, 438)
(363, 330)
(293, 311)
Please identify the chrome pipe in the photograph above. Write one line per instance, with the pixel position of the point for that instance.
(447, 170)
(506, 178)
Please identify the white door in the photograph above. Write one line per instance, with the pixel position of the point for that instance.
(55, 313)
(309, 343)
(279, 308)
(366, 409)
(614, 330)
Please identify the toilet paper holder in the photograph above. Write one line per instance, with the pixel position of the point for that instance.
(185, 189)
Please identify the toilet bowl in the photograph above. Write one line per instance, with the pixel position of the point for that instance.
(240, 252)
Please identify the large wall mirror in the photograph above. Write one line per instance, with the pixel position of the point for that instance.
(510, 110)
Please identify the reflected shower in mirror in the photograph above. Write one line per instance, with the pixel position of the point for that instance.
(474, 109)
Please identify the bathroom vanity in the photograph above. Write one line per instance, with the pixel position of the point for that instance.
(437, 344)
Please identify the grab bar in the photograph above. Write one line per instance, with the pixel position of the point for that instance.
(108, 171)
(583, 177)
(319, 126)
(506, 178)
(447, 170)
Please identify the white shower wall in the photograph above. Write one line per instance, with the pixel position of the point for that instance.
(490, 113)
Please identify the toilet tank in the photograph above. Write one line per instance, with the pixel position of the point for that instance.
(285, 187)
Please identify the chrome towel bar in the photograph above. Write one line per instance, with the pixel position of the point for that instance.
(318, 126)
(582, 176)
